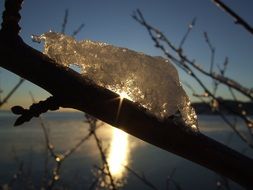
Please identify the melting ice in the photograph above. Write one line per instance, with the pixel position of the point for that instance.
(150, 81)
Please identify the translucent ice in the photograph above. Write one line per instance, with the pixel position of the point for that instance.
(150, 81)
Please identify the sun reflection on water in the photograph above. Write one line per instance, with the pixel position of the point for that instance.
(118, 153)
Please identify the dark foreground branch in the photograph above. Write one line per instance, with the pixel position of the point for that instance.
(74, 91)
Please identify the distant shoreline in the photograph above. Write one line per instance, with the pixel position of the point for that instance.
(204, 108)
(201, 108)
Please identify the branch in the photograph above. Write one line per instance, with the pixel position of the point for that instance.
(65, 21)
(183, 61)
(236, 17)
(75, 91)
(142, 178)
(11, 92)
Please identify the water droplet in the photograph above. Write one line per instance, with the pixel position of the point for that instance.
(218, 183)
(36, 38)
(56, 177)
(57, 159)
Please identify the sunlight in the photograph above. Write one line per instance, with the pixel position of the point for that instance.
(118, 153)
(123, 95)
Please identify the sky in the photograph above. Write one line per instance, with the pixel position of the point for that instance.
(110, 21)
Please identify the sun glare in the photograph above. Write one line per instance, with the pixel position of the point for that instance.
(123, 95)
(118, 154)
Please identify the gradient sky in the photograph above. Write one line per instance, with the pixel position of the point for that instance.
(110, 21)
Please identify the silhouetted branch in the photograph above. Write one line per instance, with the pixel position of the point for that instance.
(142, 178)
(212, 50)
(11, 92)
(65, 21)
(170, 181)
(241, 135)
(189, 29)
(58, 158)
(78, 30)
(236, 17)
(183, 62)
(93, 125)
(64, 24)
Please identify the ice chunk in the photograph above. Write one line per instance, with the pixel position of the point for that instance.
(150, 81)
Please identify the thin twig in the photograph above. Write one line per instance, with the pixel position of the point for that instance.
(183, 62)
(212, 50)
(92, 122)
(238, 20)
(189, 29)
(142, 178)
(58, 158)
(224, 118)
(21, 80)
(65, 21)
(171, 180)
(78, 30)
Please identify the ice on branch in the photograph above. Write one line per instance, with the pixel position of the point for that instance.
(152, 82)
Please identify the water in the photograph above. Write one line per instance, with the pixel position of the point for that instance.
(27, 144)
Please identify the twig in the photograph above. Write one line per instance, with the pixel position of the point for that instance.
(183, 62)
(12, 92)
(92, 122)
(212, 50)
(65, 21)
(170, 179)
(189, 29)
(58, 158)
(236, 17)
(142, 178)
(223, 116)
(78, 30)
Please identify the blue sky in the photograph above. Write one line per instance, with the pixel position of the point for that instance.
(110, 21)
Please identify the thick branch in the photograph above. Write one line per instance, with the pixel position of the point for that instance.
(73, 90)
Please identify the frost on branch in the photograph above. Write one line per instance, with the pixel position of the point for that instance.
(152, 82)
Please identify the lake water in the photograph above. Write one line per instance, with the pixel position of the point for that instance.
(27, 144)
